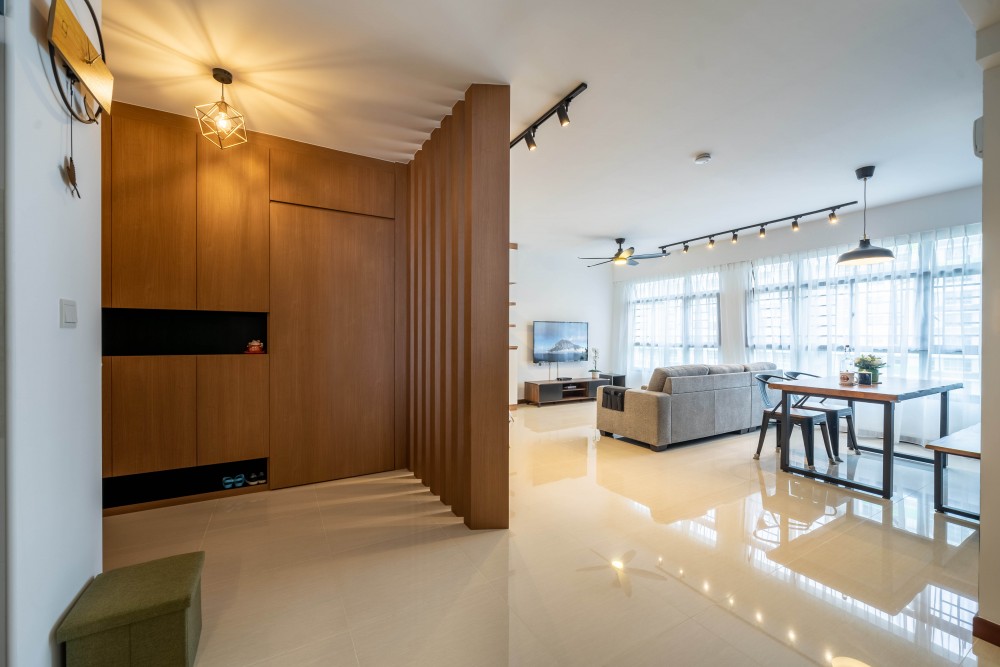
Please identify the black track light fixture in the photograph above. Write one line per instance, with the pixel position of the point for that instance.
(686, 248)
(762, 226)
(833, 217)
(529, 139)
(563, 113)
(561, 109)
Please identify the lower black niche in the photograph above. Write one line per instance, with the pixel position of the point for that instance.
(166, 484)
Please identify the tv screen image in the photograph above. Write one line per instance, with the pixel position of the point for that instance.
(560, 341)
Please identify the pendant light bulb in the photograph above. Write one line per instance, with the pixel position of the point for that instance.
(219, 122)
(762, 232)
(795, 225)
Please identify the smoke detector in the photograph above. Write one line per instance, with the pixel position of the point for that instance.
(703, 158)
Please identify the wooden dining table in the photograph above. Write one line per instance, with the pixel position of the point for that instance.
(887, 393)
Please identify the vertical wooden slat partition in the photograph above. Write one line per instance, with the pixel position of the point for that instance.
(459, 189)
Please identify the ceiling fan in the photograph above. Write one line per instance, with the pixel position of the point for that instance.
(625, 256)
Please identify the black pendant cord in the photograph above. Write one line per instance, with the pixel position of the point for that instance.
(864, 216)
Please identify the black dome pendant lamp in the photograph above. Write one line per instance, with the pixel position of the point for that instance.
(865, 253)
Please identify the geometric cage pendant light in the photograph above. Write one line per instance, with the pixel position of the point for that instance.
(865, 253)
(220, 122)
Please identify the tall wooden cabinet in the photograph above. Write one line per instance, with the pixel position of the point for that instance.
(232, 228)
(332, 352)
(153, 230)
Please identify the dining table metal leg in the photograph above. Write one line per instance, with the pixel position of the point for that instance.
(786, 430)
(945, 427)
(888, 447)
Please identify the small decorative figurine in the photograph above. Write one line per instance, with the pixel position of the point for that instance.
(255, 347)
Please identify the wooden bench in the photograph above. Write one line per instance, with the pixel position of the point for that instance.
(966, 443)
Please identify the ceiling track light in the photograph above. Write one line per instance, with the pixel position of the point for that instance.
(561, 109)
(833, 217)
(761, 225)
(529, 139)
(686, 248)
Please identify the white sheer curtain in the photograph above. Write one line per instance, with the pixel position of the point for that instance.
(920, 313)
(669, 321)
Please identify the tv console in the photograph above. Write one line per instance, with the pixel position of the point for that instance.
(547, 392)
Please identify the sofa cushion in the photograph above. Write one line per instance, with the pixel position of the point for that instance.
(656, 380)
(685, 371)
(725, 368)
(758, 366)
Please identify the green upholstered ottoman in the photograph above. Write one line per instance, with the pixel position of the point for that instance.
(147, 614)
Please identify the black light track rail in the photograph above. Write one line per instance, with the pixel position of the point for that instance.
(561, 104)
(756, 225)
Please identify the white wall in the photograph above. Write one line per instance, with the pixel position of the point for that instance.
(53, 251)
(552, 284)
(989, 550)
(959, 207)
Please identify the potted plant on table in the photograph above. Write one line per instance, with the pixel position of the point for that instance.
(871, 364)
(594, 373)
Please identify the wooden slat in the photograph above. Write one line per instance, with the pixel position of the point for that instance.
(232, 407)
(401, 270)
(153, 413)
(152, 214)
(325, 180)
(461, 265)
(232, 228)
(488, 123)
(331, 334)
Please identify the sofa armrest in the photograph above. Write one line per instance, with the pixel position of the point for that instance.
(647, 417)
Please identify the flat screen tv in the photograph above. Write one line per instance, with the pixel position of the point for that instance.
(560, 341)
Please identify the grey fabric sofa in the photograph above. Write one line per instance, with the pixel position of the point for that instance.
(683, 403)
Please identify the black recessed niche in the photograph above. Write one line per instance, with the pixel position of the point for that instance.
(144, 332)
(167, 484)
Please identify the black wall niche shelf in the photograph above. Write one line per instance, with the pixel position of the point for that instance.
(166, 484)
(147, 332)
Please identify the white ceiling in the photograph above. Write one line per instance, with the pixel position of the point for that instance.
(789, 96)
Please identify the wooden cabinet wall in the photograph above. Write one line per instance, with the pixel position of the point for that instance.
(232, 228)
(232, 412)
(152, 222)
(332, 180)
(152, 413)
(332, 345)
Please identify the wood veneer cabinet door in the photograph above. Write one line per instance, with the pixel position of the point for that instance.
(152, 214)
(326, 179)
(152, 413)
(232, 227)
(232, 407)
(332, 353)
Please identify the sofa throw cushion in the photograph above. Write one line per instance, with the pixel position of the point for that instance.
(725, 368)
(758, 366)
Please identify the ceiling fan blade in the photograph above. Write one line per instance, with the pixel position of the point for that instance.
(632, 262)
(652, 255)
(607, 258)
(628, 252)
(599, 263)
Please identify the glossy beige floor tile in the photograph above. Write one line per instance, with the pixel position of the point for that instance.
(616, 555)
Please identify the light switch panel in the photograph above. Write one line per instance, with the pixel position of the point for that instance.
(67, 314)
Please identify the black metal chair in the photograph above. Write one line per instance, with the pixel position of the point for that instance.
(833, 416)
(806, 419)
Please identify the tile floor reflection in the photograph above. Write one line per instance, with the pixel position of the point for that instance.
(616, 555)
